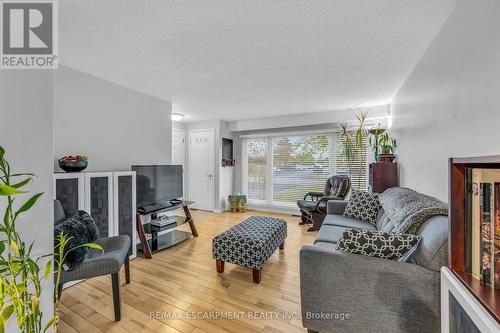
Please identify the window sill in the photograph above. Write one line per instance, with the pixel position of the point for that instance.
(276, 208)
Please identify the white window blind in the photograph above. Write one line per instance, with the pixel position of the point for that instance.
(281, 170)
(257, 169)
(359, 165)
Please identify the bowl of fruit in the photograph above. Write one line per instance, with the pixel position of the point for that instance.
(73, 163)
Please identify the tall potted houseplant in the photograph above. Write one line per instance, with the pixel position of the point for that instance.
(352, 147)
(21, 274)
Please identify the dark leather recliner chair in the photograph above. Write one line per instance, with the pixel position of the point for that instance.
(314, 210)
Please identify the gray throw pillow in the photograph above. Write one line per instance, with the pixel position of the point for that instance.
(81, 229)
(378, 244)
(363, 206)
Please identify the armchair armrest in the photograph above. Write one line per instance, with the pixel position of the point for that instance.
(367, 294)
(325, 199)
(336, 207)
(313, 195)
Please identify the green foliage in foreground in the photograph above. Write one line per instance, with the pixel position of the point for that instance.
(21, 274)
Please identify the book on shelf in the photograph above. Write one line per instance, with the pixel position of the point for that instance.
(483, 225)
(475, 224)
(486, 243)
(468, 219)
(496, 237)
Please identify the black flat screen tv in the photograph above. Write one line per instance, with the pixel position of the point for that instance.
(158, 183)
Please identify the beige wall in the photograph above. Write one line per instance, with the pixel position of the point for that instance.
(448, 106)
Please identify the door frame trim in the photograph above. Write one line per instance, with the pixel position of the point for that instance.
(212, 160)
(185, 185)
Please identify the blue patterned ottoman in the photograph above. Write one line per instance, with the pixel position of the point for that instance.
(250, 243)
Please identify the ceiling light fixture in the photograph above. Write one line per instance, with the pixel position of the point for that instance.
(177, 116)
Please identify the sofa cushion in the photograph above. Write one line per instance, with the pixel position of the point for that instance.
(384, 223)
(363, 206)
(432, 251)
(329, 234)
(346, 222)
(378, 244)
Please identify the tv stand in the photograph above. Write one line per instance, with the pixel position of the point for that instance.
(155, 243)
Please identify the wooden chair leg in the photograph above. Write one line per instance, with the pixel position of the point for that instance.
(257, 275)
(282, 246)
(127, 270)
(115, 284)
(219, 265)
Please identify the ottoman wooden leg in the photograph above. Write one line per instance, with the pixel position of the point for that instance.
(220, 266)
(257, 275)
(282, 246)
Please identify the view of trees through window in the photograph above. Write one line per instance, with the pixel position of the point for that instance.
(300, 164)
(283, 169)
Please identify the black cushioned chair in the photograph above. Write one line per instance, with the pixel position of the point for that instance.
(313, 210)
(99, 263)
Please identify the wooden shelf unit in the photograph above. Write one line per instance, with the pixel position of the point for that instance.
(488, 296)
(383, 175)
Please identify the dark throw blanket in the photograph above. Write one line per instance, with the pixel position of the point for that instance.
(408, 209)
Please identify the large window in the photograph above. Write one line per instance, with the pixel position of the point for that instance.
(281, 169)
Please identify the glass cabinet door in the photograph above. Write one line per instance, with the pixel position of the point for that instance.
(68, 189)
(124, 185)
(99, 204)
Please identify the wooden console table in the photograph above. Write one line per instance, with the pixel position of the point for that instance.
(146, 249)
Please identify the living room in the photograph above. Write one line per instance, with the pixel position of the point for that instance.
(249, 166)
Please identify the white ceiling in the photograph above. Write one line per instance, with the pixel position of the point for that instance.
(235, 59)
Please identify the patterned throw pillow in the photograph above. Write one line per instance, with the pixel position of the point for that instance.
(378, 244)
(363, 206)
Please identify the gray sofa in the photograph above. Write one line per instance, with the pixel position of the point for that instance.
(344, 292)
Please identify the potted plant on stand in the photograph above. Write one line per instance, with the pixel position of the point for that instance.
(384, 147)
(375, 132)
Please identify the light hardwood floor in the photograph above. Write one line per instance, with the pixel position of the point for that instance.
(182, 281)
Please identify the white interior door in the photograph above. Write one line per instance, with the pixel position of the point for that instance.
(201, 168)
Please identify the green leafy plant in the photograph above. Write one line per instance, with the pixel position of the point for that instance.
(383, 143)
(375, 133)
(352, 146)
(21, 275)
